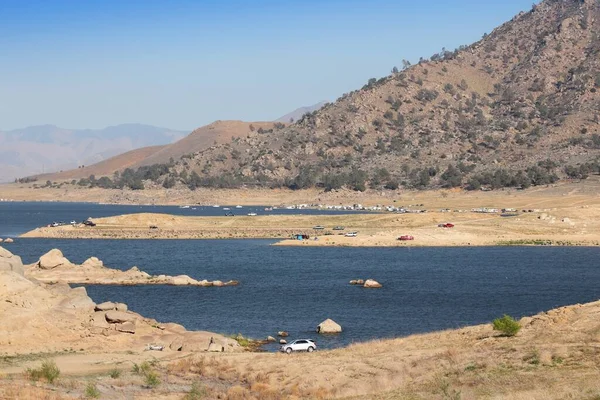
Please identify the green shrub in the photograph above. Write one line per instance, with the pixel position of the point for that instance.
(91, 391)
(507, 325)
(115, 373)
(151, 379)
(48, 371)
(197, 392)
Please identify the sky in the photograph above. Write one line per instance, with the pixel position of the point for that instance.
(182, 64)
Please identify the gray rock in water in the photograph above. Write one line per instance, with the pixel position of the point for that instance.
(372, 284)
(282, 341)
(329, 326)
(10, 262)
(121, 307)
(270, 339)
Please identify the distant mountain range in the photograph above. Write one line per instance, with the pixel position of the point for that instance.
(298, 113)
(48, 148)
(102, 152)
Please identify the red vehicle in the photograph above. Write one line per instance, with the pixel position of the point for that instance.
(406, 237)
(447, 225)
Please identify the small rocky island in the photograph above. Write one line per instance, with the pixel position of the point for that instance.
(54, 267)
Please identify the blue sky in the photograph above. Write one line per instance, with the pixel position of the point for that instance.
(182, 64)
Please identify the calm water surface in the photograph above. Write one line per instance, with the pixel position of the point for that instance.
(294, 289)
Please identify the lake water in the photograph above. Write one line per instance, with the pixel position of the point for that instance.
(294, 289)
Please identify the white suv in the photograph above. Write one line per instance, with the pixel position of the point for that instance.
(299, 345)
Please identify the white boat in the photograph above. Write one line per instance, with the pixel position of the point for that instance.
(226, 209)
(216, 206)
(252, 214)
(184, 207)
(238, 206)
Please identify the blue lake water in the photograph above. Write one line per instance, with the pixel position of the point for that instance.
(294, 289)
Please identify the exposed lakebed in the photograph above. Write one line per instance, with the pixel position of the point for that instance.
(294, 289)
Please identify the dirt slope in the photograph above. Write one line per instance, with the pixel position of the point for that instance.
(106, 167)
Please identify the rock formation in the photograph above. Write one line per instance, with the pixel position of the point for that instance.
(55, 267)
(329, 326)
(10, 262)
(372, 284)
(52, 259)
(32, 312)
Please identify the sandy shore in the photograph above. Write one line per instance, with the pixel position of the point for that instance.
(558, 195)
(556, 226)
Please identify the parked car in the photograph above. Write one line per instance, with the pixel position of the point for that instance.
(447, 225)
(338, 228)
(89, 223)
(299, 345)
(351, 234)
(319, 227)
(406, 237)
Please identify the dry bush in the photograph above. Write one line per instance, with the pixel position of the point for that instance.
(238, 393)
(21, 392)
(264, 391)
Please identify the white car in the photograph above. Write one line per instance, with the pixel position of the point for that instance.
(299, 345)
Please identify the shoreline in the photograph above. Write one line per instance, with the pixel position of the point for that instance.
(569, 226)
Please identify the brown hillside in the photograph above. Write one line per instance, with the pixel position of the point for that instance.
(106, 167)
(203, 138)
(525, 93)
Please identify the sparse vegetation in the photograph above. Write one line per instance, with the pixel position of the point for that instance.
(507, 325)
(91, 391)
(48, 371)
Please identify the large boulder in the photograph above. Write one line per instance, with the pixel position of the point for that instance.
(10, 262)
(77, 299)
(127, 327)
(93, 262)
(8, 240)
(372, 284)
(329, 326)
(106, 306)
(98, 320)
(119, 317)
(52, 259)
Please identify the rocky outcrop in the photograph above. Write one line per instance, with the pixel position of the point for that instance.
(357, 282)
(53, 259)
(120, 317)
(93, 262)
(8, 240)
(106, 306)
(53, 267)
(329, 326)
(37, 317)
(372, 284)
(283, 334)
(10, 262)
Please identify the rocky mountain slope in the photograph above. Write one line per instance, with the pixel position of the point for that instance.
(514, 109)
(36, 149)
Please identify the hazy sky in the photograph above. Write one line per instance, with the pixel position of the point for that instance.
(182, 64)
